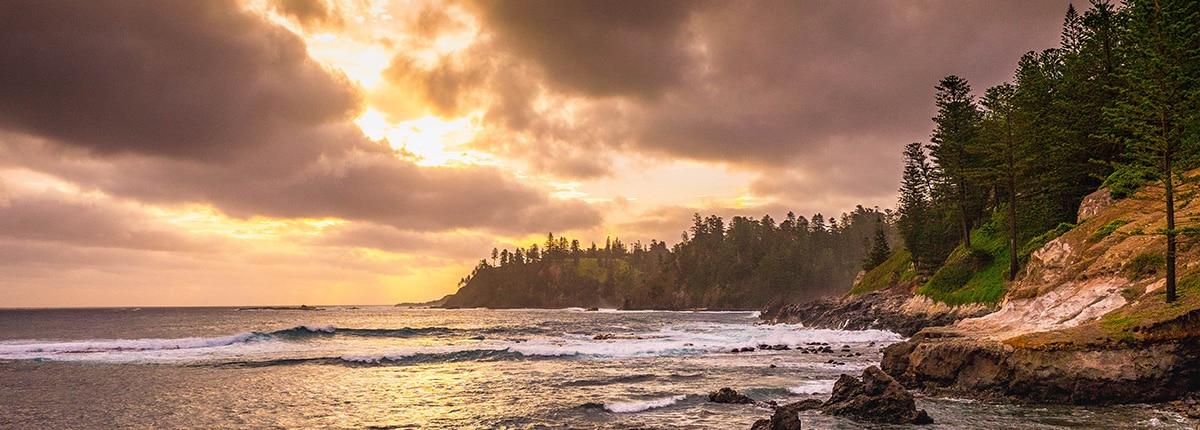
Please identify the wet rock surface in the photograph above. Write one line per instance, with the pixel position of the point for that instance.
(883, 309)
(952, 364)
(729, 395)
(782, 419)
(876, 398)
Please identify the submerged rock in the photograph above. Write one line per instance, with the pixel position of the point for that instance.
(786, 417)
(728, 395)
(877, 398)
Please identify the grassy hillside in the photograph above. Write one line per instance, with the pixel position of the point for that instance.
(897, 269)
(975, 275)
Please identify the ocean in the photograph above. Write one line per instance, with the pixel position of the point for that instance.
(386, 367)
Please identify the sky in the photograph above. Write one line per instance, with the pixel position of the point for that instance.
(286, 152)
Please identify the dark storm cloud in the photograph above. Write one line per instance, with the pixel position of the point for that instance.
(186, 79)
(362, 182)
(599, 48)
(201, 102)
(787, 79)
(765, 85)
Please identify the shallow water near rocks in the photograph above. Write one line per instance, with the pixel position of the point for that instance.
(420, 368)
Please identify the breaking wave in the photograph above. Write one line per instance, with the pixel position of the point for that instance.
(418, 345)
(639, 406)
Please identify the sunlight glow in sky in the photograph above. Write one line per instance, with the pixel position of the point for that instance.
(280, 152)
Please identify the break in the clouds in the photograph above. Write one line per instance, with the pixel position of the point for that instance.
(760, 85)
(204, 102)
(225, 142)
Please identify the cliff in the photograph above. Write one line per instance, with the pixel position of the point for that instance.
(884, 298)
(1085, 322)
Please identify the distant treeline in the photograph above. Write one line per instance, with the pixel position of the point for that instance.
(1116, 105)
(744, 264)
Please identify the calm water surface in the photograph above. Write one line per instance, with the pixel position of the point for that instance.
(420, 368)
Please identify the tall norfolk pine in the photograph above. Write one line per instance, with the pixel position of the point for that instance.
(953, 149)
(1158, 99)
(1007, 159)
(920, 226)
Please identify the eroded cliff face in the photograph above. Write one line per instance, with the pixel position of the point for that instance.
(896, 309)
(946, 362)
(1084, 274)
(1086, 322)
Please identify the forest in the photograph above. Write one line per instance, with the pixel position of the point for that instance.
(742, 265)
(1115, 106)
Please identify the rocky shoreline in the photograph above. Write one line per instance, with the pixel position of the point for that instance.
(945, 362)
(874, 398)
(1083, 324)
(894, 309)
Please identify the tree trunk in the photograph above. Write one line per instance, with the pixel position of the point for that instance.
(1169, 191)
(1012, 227)
(966, 226)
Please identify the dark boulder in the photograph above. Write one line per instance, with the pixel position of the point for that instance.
(803, 405)
(783, 419)
(728, 395)
(877, 398)
(786, 417)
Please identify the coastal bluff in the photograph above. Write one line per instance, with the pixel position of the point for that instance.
(1085, 322)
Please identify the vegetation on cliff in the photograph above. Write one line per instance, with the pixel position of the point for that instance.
(1116, 104)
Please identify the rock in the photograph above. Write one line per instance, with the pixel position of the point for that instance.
(614, 336)
(728, 395)
(1095, 203)
(782, 419)
(803, 405)
(786, 416)
(887, 309)
(1068, 374)
(877, 398)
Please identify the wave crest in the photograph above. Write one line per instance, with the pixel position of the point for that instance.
(639, 406)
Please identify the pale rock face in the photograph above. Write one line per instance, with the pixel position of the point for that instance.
(1095, 203)
(1070, 304)
(1054, 254)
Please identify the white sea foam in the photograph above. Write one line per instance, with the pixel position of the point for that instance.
(21, 349)
(693, 339)
(329, 328)
(819, 386)
(631, 407)
(672, 340)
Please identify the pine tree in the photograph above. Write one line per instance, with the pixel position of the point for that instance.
(916, 222)
(879, 251)
(953, 150)
(1006, 160)
(1159, 101)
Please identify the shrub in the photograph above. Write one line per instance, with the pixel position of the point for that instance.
(1144, 264)
(1108, 229)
